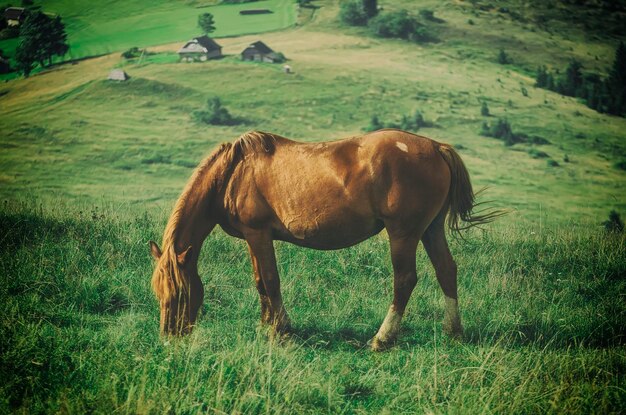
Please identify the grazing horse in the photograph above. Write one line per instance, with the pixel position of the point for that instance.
(327, 195)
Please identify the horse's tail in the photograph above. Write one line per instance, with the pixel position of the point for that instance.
(461, 196)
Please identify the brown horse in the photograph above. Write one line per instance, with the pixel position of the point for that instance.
(327, 195)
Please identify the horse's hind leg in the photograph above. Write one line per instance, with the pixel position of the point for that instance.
(264, 262)
(403, 249)
(436, 245)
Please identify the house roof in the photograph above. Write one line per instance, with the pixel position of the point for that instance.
(259, 47)
(13, 13)
(207, 42)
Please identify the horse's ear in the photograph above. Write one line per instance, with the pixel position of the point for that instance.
(155, 250)
(182, 257)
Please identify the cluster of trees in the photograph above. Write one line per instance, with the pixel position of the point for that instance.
(502, 130)
(603, 95)
(41, 38)
(399, 24)
(407, 122)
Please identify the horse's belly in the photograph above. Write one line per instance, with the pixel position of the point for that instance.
(329, 234)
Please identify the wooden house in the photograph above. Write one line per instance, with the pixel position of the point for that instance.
(200, 49)
(260, 52)
(14, 15)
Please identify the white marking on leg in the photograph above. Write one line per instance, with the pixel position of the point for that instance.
(402, 146)
(390, 327)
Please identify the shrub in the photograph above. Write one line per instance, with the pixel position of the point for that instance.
(553, 163)
(352, 13)
(374, 124)
(503, 58)
(427, 14)
(131, 53)
(9, 32)
(538, 154)
(614, 223)
(395, 25)
(501, 130)
(215, 114)
(484, 110)
(620, 165)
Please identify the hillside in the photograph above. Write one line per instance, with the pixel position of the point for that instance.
(96, 135)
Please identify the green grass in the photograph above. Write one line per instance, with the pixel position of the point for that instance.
(544, 325)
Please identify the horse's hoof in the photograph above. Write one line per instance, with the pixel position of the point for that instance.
(453, 331)
(378, 345)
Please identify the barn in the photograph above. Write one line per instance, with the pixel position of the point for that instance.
(260, 52)
(14, 15)
(200, 49)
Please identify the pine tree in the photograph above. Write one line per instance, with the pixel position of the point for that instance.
(206, 23)
(573, 79)
(617, 82)
(541, 81)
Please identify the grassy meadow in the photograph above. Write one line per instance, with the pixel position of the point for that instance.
(90, 169)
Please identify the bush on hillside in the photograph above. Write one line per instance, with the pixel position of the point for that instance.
(374, 124)
(352, 13)
(503, 57)
(614, 223)
(215, 114)
(395, 25)
(484, 110)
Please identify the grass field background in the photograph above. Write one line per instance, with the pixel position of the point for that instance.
(89, 170)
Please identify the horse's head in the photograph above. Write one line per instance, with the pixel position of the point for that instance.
(177, 286)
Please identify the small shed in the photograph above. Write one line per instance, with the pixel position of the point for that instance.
(118, 75)
(260, 52)
(200, 49)
(14, 15)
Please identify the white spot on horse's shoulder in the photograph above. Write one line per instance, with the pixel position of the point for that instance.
(402, 146)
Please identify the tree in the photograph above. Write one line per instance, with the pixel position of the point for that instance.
(58, 45)
(370, 7)
(25, 58)
(206, 23)
(503, 58)
(484, 109)
(352, 13)
(41, 38)
(399, 24)
(573, 79)
(617, 81)
(215, 114)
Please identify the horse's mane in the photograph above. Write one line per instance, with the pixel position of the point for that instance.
(256, 142)
(252, 142)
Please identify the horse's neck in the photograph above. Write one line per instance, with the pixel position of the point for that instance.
(192, 220)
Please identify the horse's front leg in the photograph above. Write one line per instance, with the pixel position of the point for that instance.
(263, 258)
